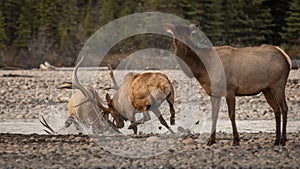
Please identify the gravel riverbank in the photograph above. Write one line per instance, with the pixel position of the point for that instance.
(29, 94)
(80, 151)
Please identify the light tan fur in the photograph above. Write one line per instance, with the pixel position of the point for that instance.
(141, 93)
(86, 107)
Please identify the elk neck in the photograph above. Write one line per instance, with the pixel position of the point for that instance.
(198, 60)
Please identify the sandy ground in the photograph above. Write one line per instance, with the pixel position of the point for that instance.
(30, 94)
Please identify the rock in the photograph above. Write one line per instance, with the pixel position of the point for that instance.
(153, 139)
(188, 141)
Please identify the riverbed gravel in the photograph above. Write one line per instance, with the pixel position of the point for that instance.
(81, 151)
(29, 94)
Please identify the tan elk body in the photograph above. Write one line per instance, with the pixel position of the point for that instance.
(141, 93)
(248, 71)
(84, 111)
(86, 107)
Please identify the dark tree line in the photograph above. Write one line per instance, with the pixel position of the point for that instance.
(32, 31)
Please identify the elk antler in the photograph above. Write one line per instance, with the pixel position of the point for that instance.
(44, 123)
(91, 98)
(65, 85)
(115, 85)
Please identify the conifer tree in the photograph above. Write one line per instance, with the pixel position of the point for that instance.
(191, 10)
(68, 23)
(49, 16)
(231, 10)
(212, 23)
(110, 10)
(11, 14)
(278, 11)
(291, 33)
(2, 32)
(24, 25)
(247, 22)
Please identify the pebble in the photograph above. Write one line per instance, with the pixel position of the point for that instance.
(39, 92)
(153, 139)
(39, 88)
(188, 141)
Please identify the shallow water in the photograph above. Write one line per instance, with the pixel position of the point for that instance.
(29, 126)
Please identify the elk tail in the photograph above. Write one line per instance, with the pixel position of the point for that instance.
(289, 60)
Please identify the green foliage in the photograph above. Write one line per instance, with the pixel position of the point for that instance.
(110, 11)
(247, 22)
(2, 32)
(10, 11)
(24, 25)
(58, 27)
(291, 34)
(67, 26)
(278, 11)
(213, 20)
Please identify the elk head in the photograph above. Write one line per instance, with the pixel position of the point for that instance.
(118, 118)
(181, 32)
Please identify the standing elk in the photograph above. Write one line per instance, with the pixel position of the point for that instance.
(85, 106)
(248, 71)
(141, 93)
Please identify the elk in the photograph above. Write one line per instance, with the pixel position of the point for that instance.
(248, 71)
(141, 92)
(85, 106)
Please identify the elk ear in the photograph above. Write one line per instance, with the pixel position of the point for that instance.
(193, 28)
(169, 28)
(197, 24)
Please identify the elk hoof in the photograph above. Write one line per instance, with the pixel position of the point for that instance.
(172, 121)
(210, 142)
(236, 143)
(131, 126)
(276, 142)
(134, 124)
(283, 141)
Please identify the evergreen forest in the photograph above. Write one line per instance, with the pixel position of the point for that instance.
(34, 31)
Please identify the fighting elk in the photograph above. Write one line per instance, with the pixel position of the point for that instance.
(85, 106)
(248, 71)
(141, 93)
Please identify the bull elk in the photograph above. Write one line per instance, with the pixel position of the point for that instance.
(141, 93)
(248, 71)
(85, 106)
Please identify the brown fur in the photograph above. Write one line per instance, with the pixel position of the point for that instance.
(141, 93)
(248, 71)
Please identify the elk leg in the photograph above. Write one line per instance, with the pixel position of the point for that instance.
(230, 100)
(133, 127)
(280, 98)
(215, 112)
(272, 102)
(162, 120)
(170, 100)
(146, 117)
(69, 121)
